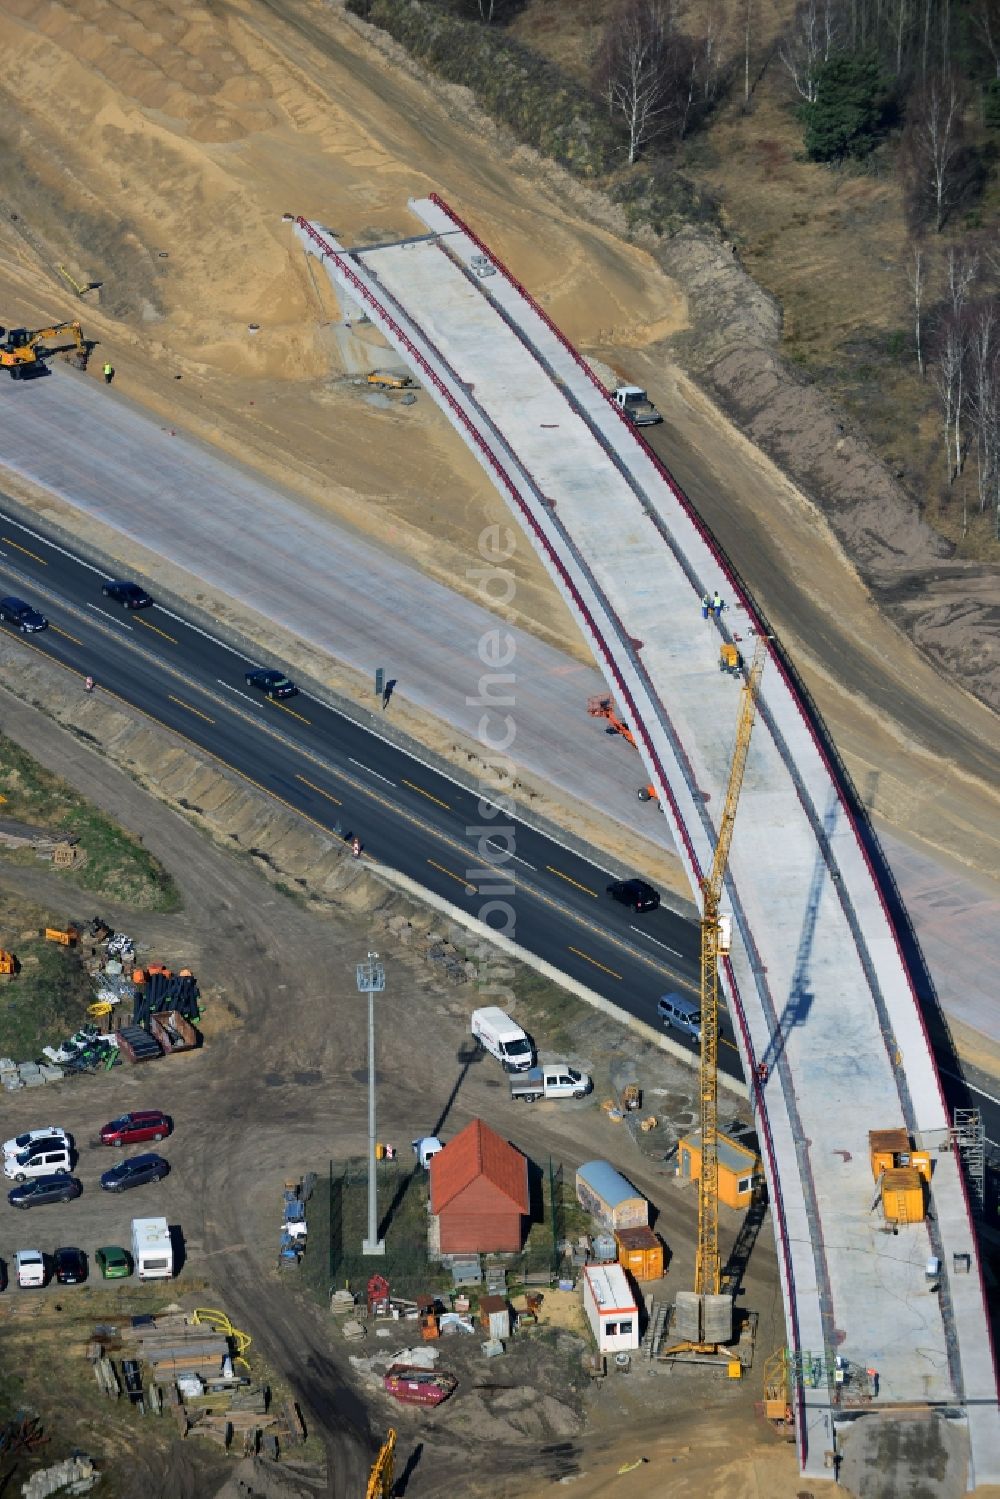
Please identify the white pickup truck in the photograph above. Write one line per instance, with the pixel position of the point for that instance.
(637, 406)
(553, 1080)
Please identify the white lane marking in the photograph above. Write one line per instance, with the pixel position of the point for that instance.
(53, 544)
(113, 617)
(971, 1086)
(657, 941)
(205, 634)
(244, 695)
(3, 554)
(368, 770)
(516, 857)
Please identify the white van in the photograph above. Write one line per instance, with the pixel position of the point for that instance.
(53, 1159)
(29, 1268)
(497, 1034)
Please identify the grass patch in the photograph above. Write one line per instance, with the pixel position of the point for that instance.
(116, 866)
(548, 1009)
(46, 1002)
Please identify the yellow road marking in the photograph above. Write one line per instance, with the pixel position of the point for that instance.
(414, 787)
(7, 542)
(588, 959)
(156, 628)
(458, 878)
(66, 633)
(319, 790)
(275, 704)
(181, 704)
(570, 881)
(725, 1041)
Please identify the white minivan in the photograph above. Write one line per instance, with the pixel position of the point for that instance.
(29, 1268)
(52, 1159)
(497, 1034)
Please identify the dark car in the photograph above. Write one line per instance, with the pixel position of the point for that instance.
(129, 595)
(135, 1172)
(271, 683)
(43, 1189)
(132, 1129)
(635, 893)
(70, 1266)
(16, 612)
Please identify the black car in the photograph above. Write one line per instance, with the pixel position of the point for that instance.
(16, 612)
(635, 893)
(70, 1266)
(271, 683)
(129, 595)
(135, 1172)
(43, 1189)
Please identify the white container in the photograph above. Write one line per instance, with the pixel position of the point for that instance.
(611, 1308)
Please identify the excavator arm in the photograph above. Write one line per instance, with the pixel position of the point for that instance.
(21, 346)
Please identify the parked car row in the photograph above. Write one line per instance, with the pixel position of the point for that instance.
(66, 1266)
(41, 1160)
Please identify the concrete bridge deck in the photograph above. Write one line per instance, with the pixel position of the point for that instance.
(817, 979)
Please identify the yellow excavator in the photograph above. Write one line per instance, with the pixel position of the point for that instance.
(21, 352)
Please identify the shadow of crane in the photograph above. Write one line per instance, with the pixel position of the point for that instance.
(800, 994)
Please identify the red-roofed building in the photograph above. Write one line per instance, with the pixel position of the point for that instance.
(479, 1191)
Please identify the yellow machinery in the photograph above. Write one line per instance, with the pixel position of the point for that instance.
(20, 352)
(380, 1480)
(714, 943)
(389, 380)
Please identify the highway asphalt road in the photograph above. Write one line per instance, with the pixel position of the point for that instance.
(347, 778)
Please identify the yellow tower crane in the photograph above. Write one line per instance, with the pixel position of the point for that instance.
(714, 943)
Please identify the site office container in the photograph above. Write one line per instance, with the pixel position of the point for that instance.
(611, 1308)
(609, 1197)
(640, 1253)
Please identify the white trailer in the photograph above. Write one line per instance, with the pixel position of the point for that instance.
(152, 1249)
(611, 1308)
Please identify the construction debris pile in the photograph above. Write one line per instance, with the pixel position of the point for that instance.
(294, 1229)
(74, 1475)
(193, 1366)
(435, 949)
(163, 1006)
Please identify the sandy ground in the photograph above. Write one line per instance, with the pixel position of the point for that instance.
(160, 148)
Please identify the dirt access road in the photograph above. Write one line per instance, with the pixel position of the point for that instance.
(278, 1089)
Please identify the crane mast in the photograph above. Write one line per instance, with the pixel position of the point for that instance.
(708, 1273)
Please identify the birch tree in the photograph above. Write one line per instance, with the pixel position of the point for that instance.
(947, 369)
(809, 42)
(916, 275)
(935, 138)
(632, 73)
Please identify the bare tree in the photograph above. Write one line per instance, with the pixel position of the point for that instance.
(935, 135)
(916, 275)
(947, 371)
(747, 27)
(962, 270)
(631, 69)
(985, 16)
(985, 401)
(809, 42)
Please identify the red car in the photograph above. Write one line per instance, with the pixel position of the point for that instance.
(132, 1129)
